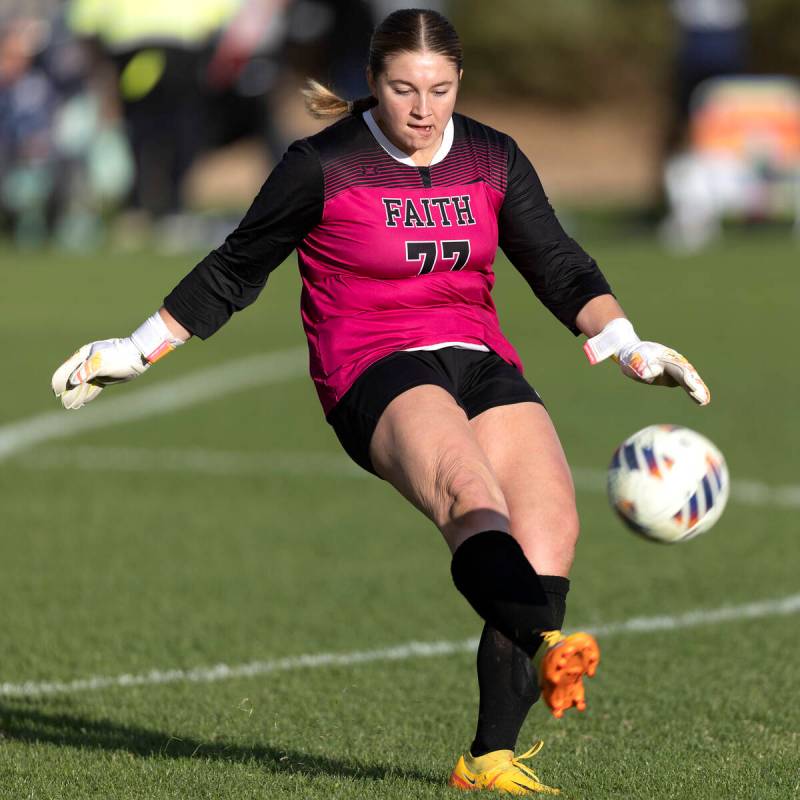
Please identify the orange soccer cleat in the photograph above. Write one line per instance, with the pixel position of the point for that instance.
(562, 667)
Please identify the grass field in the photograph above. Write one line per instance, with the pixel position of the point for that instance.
(232, 531)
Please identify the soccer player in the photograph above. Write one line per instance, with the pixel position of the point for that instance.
(396, 212)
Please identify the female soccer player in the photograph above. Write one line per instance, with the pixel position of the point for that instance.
(396, 213)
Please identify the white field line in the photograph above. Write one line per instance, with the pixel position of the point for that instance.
(299, 463)
(194, 460)
(403, 652)
(233, 376)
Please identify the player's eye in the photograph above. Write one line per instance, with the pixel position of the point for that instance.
(403, 92)
(440, 92)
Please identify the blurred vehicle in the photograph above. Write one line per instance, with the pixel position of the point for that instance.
(743, 159)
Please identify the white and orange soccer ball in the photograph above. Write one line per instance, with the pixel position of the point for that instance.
(668, 483)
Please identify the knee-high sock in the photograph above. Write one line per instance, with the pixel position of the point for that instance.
(494, 575)
(507, 679)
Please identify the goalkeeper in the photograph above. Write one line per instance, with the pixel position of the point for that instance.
(396, 213)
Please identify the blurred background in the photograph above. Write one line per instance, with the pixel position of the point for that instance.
(138, 123)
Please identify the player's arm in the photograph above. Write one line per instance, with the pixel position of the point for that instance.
(562, 275)
(227, 280)
(231, 277)
(570, 284)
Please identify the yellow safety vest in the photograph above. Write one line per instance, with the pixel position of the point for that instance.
(124, 24)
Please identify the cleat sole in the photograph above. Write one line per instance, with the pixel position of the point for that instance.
(562, 670)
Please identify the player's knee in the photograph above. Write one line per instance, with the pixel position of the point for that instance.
(565, 534)
(470, 491)
(549, 540)
(567, 528)
(471, 499)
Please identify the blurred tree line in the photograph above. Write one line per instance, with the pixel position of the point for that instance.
(577, 52)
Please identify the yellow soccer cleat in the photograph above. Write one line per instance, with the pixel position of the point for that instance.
(562, 667)
(500, 771)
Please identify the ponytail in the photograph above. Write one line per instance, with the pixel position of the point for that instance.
(322, 103)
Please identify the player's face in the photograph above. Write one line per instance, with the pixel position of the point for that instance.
(416, 95)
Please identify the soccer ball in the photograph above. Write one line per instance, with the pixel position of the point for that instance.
(668, 483)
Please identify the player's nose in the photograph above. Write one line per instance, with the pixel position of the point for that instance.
(421, 107)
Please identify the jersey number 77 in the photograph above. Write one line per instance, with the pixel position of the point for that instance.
(456, 251)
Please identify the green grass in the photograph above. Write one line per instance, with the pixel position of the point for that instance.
(105, 572)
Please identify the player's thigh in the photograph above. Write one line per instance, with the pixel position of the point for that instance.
(525, 453)
(426, 448)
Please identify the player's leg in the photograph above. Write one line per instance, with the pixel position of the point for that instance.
(425, 447)
(527, 459)
(536, 483)
(522, 446)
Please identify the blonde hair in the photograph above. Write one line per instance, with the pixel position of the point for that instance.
(322, 103)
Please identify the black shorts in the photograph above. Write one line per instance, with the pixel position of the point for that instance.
(477, 381)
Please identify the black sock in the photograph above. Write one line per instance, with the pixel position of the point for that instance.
(556, 589)
(507, 679)
(492, 572)
(508, 688)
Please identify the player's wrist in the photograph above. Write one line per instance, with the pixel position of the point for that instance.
(153, 339)
(616, 337)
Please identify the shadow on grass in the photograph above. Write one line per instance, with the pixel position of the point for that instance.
(28, 724)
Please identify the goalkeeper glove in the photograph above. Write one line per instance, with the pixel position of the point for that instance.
(647, 362)
(99, 364)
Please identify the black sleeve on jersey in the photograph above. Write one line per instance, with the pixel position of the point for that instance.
(231, 277)
(562, 275)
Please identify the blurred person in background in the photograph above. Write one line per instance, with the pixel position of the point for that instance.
(28, 103)
(396, 212)
(63, 161)
(713, 39)
(338, 31)
(353, 22)
(174, 64)
(157, 49)
(246, 64)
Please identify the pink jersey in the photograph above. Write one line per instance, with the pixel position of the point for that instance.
(392, 256)
(394, 264)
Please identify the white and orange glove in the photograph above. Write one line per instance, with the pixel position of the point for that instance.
(99, 364)
(647, 362)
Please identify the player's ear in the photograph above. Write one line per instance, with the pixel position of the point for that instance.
(460, 75)
(371, 82)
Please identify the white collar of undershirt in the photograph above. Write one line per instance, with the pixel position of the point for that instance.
(397, 154)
